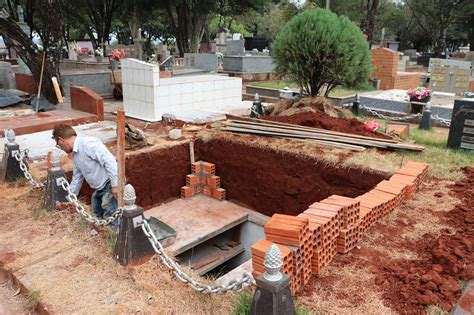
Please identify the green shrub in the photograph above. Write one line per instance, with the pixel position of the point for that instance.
(319, 50)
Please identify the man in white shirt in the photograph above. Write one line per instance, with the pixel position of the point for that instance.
(94, 163)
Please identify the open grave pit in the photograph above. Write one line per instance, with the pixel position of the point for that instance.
(259, 181)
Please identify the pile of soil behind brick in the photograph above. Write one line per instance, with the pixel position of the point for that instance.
(410, 286)
(323, 121)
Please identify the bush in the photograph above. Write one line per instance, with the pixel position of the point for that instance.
(319, 50)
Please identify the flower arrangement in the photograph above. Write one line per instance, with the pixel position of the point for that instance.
(83, 52)
(118, 54)
(419, 93)
(99, 52)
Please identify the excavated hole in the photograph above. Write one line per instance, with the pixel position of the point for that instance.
(266, 181)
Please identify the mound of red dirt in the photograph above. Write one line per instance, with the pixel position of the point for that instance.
(323, 121)
(410, 286)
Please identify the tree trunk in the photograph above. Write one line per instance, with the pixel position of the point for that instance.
(470, 32)
(372, 7)
(26, 49)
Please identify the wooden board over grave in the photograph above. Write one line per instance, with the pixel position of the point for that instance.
(461, 132)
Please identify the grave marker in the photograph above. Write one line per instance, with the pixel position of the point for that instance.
(450, 76)
(461, 132)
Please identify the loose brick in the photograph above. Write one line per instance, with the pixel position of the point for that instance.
(192, 180)
(186, 192)
(218, 193)
(214, 182)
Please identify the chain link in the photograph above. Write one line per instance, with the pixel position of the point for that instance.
(399, 118)
(233, 285)
(72, 198)
(442, 121)
(23, 160)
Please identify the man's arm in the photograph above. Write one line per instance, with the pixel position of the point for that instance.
(100, 153)
(77, 179)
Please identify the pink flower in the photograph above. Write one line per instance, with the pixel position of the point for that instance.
(419, 92)
(118, 54)
(371, 126)
(83, 51)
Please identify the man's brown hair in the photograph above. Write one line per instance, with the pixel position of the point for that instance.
(64, 132)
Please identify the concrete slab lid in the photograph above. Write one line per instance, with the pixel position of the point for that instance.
(198, 219)
(40, 143)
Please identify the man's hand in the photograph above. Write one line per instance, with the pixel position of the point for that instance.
(115, 192)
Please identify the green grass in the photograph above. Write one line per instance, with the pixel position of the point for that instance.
(337, 92)
(444, 163)
(33, 298)
(244, 301)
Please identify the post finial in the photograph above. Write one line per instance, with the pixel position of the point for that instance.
(10, 135)
(129, 197)
(273, 264)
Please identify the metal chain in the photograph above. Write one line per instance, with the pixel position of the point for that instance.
(443, 121)
(233, 285)
(23, 160)
(399, 118)
(72, 198)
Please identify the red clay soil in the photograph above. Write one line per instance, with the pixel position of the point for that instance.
(412, 285)
(157, 176)
(271, 181)
(323, 121)
(409, 286)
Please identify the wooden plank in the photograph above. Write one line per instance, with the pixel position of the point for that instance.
(238, 119)
(308, 135)
(466, 145)
(216, 257)
(121, 155)
(57, 90)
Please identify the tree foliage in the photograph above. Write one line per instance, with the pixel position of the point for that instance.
(320, 50)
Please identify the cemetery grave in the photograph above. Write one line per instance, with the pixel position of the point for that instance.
(243, 192)
(260, 179)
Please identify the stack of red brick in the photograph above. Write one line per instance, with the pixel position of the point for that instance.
(334, 225)
(389, 194)
(203, 179)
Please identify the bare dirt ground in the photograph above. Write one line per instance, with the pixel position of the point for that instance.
(11, 302)
(71, 270)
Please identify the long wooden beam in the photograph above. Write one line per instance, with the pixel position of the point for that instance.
(245, 120)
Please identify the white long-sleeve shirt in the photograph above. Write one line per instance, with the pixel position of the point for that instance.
(94, 162)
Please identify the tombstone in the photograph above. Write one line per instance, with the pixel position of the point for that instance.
(221, 41)
(411, 53)
(450, 76)
(236, 48)
(208, 62)
(461, 132)
(7, 77)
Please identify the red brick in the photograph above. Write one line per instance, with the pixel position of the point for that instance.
(192, 180)
(186, 192)
(214, 182)
(218, 193)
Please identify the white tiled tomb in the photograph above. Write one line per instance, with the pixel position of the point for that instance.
(146, 96)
